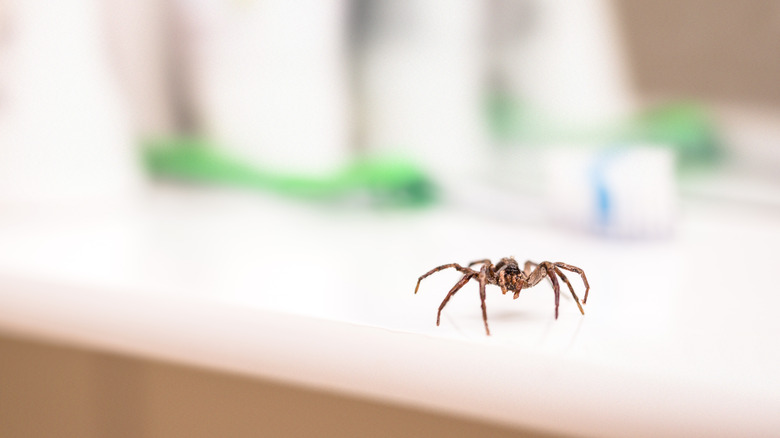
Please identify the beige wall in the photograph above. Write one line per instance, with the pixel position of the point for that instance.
(49, 390)
(721, 50)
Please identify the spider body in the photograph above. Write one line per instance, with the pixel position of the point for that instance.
(507, 275)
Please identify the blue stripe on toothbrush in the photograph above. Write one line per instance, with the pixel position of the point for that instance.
(601, 188)
(603, 202)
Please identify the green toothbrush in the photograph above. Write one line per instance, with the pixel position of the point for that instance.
(386, 182)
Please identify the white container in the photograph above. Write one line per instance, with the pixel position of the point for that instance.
(422, 84)
(269, 79)
(64, 136)
(564, 58)
(139, 34)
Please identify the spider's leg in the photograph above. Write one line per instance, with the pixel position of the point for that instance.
(556, 288)
(502, 280)
(482, 283)
(476, 262)
(528, 265)
(454, 289)
(578, 271)
(437, 269)
(534, 277)
(566, 280)
(517, 291)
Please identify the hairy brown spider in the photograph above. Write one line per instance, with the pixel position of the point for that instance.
(507, 275)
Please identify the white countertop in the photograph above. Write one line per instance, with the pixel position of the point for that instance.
(679, 337)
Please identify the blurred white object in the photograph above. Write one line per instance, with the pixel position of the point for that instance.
(422, 83)
(621, 192)
(269, 79)
(138, 32)
(752, 134)
(564, 59)
(63, 132)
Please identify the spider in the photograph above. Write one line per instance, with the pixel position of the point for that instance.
(507, 275)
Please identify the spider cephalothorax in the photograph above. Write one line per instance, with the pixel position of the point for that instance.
(507, 275)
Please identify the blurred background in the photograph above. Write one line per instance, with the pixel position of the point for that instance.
(221, 148)
(596, 116)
